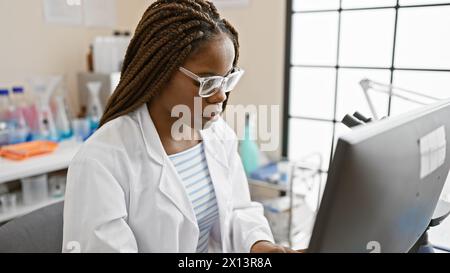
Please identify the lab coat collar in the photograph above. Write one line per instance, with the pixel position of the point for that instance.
(156, 150)
(150, 135)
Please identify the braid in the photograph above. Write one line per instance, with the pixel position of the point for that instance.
(168, 33)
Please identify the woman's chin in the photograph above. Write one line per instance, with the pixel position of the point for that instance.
(207, 121)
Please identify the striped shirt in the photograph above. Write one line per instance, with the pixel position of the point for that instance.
(193, 169)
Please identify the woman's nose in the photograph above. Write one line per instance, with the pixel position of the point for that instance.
(218, 97)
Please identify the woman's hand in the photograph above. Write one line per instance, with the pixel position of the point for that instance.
(268, 247)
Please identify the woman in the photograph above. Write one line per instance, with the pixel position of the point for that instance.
(135, 186)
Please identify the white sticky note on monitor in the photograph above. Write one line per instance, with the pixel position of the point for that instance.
(433, 147)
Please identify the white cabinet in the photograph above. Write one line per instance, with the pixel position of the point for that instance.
(15, 170)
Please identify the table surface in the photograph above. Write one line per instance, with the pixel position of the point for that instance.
(58, 160)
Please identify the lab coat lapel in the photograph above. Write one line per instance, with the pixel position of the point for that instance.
(170, 183)
(171, 186)
(219, 172)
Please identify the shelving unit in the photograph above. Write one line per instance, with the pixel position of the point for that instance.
(262, 191)
(16, 170)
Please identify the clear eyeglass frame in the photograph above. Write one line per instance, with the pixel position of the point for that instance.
(208, 86)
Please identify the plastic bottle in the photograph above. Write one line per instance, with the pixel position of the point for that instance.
(95, 109)
(4, 128)
(21, 131)
(248, 150)
(4, 104)
(62, 119)
(60, 111)
(25, 103)
(44, 89)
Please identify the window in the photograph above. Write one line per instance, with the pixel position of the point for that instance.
(333, 44)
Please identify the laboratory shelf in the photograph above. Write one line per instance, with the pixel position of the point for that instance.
(267, 185)
(22, 209)
(58, 160)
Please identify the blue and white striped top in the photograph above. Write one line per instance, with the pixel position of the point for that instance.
(193, 169)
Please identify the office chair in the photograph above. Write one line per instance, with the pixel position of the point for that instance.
(38, 232)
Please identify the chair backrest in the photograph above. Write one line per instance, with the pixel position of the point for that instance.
(38, 232)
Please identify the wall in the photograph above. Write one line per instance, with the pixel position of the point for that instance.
(262, 36)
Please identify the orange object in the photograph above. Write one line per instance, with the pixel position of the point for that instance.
(26, 150)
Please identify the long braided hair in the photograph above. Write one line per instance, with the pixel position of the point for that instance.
(169, 31)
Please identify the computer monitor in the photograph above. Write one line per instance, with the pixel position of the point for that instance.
(384, 183)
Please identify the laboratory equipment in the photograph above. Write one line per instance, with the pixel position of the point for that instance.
(13, 128)
(44, 88)
(57, 184)
(8, 201)
(34, 189)
(81, 129)
(109, 84)
(95, 109)
(62, 118)
(277, 211)
(4, 104)
(402, 93)
(109, 53)
(11, 200)
(60, 111)
(248, 149)
(19, 130)
(22, 108)
(4, 127)
(384, 183)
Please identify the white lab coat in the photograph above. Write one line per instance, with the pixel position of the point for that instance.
(124, 195)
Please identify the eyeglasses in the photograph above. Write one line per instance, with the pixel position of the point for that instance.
(210, 85)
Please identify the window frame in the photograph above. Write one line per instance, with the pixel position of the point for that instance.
(289, 65)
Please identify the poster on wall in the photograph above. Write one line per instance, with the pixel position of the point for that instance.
(64, 12)
(90, 13)
(231, 3)
(100, 13)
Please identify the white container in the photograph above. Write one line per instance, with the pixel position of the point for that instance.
(81, 129)
(284, 170)
(35, 189)
(4, 134)
(109, 53)
(8, 201)
(3, 202)
(57, 186)
(95, 108)
(12, 200)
